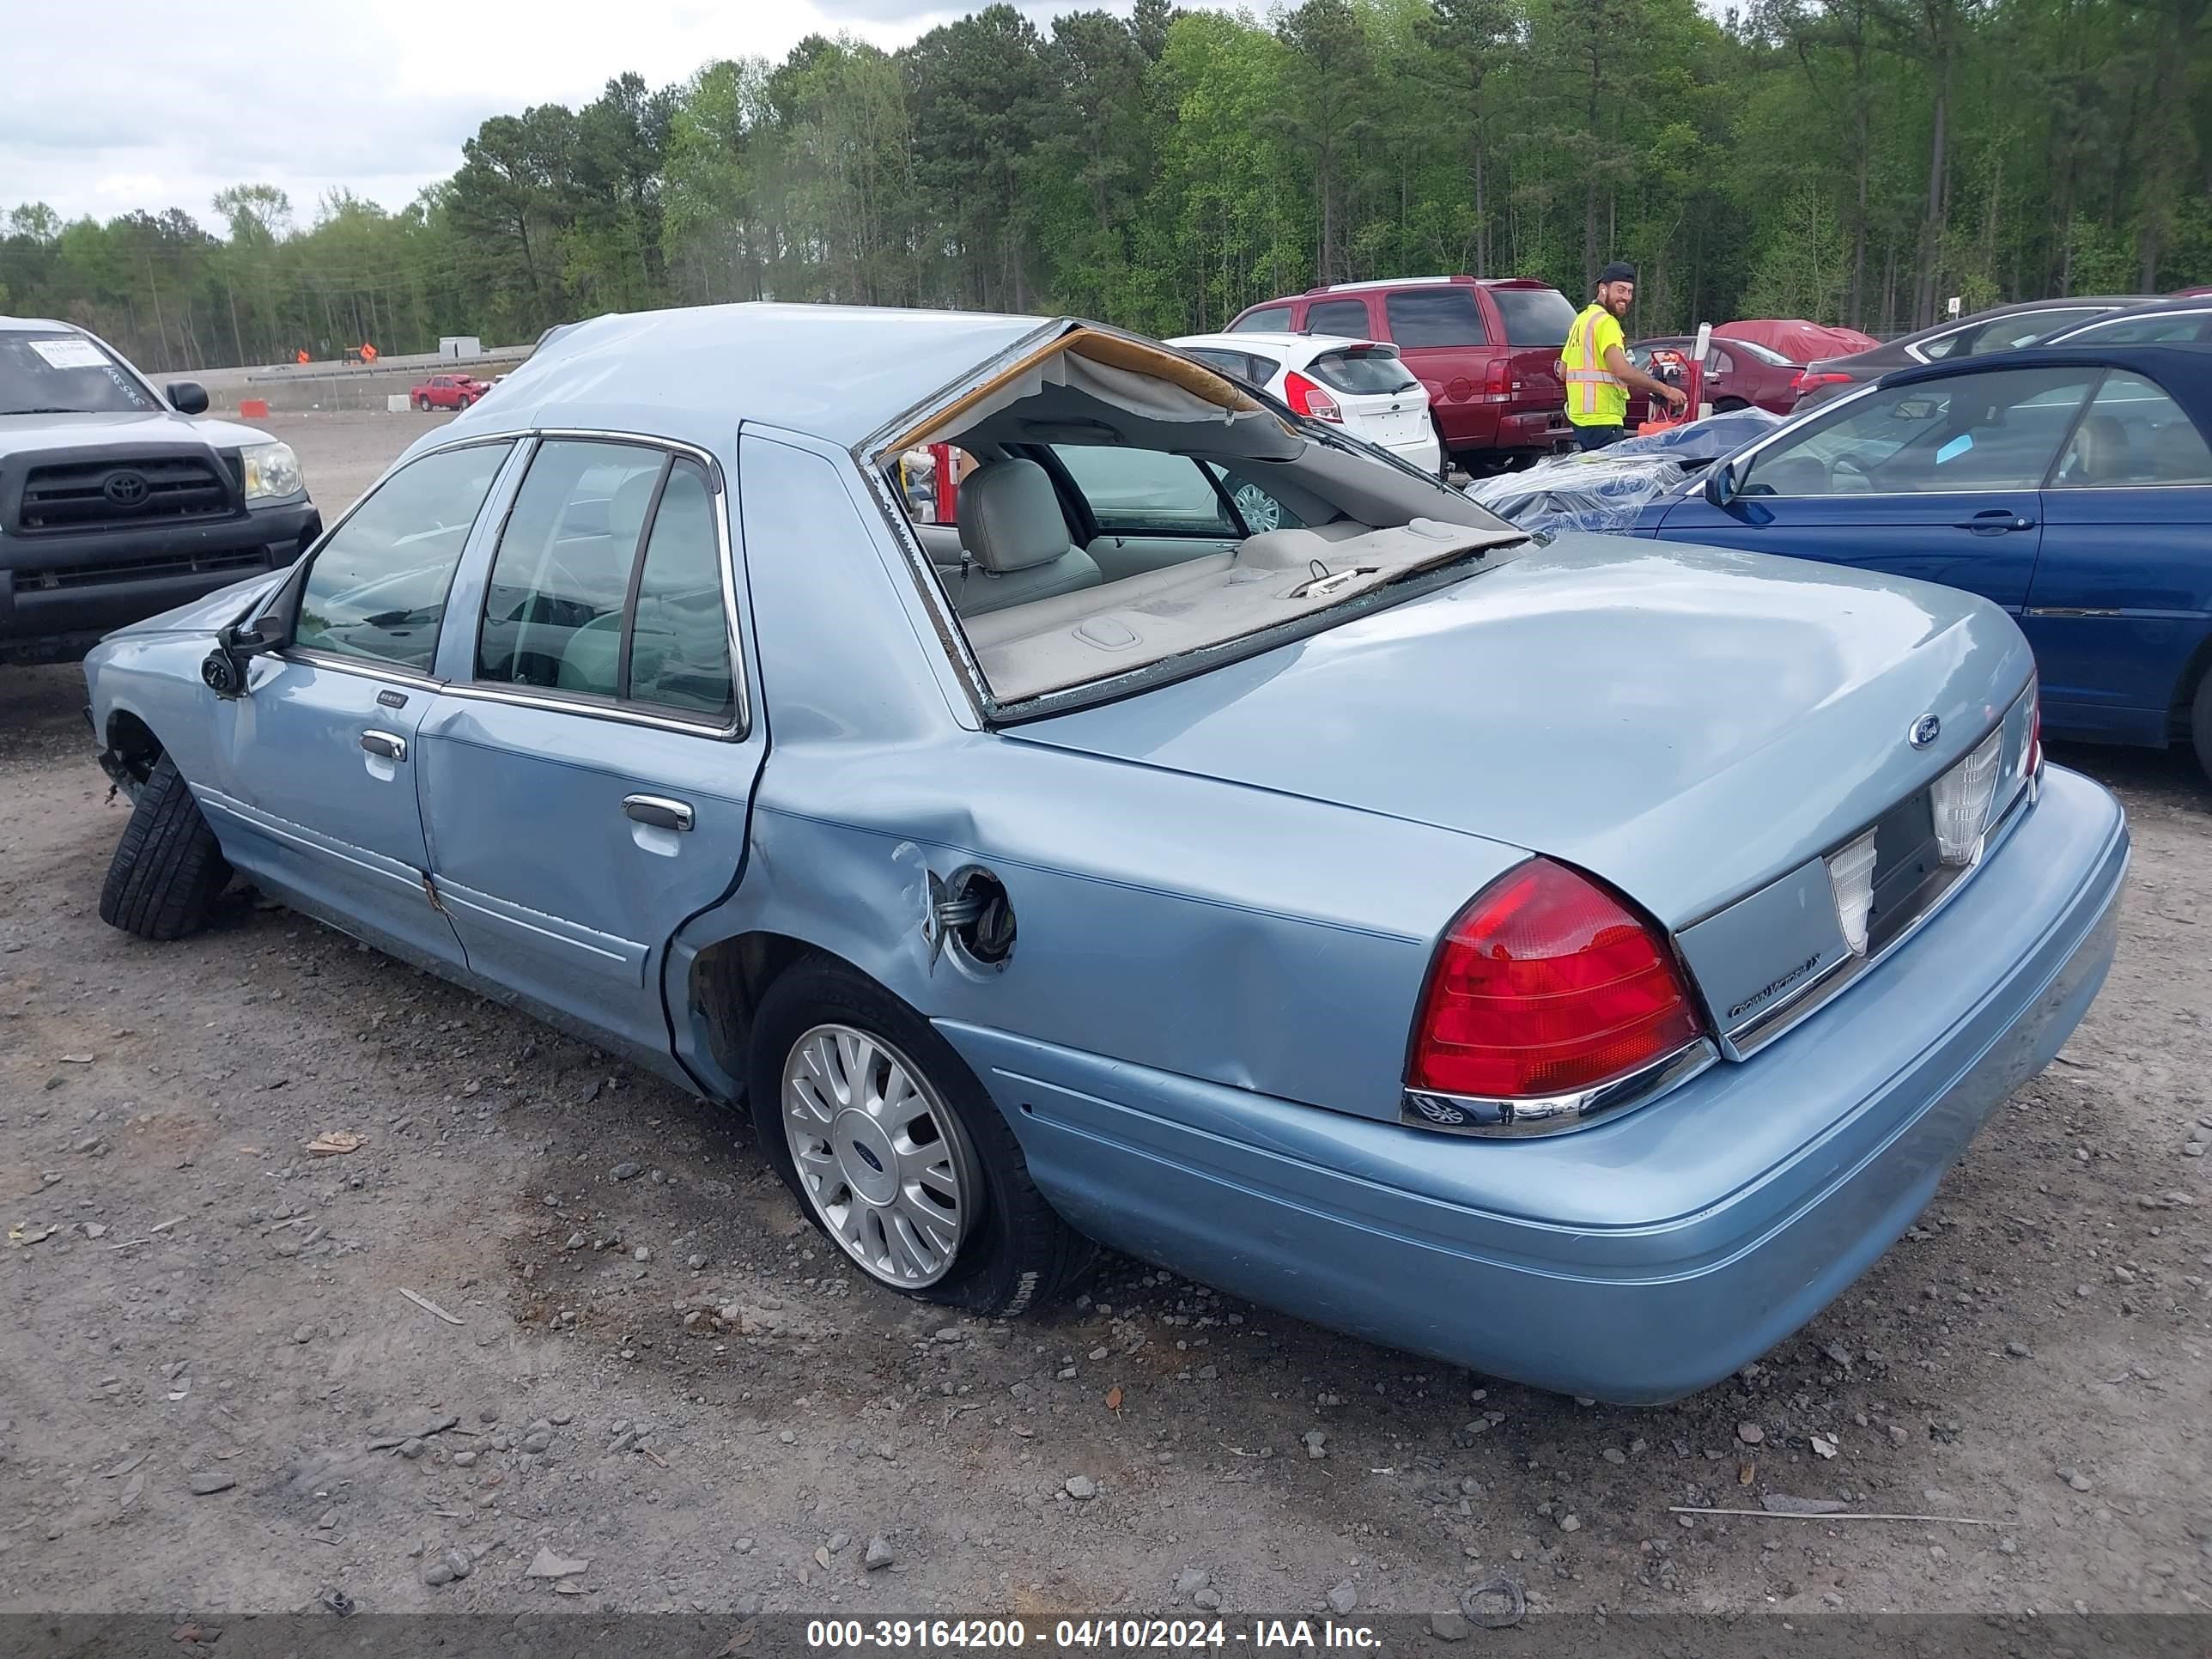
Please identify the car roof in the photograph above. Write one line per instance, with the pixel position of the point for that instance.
(25, 324)
(695, 374)
(2183, 368)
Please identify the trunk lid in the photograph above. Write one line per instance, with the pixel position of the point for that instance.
(1685, 722)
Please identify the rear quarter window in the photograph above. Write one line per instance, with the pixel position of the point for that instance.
(1436, 317)
(1534, 316)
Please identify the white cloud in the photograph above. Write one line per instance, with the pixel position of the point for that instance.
(374, 97)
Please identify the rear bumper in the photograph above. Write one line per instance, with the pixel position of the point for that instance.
(1425, 454)
(58, 594)
(1636, 1261)
(1468, 426)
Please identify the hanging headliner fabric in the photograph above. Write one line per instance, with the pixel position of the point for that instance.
(1146, 381)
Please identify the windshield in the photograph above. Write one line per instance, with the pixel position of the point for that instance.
(60, 372)
(1534, 316)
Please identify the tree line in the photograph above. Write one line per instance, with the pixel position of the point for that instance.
(1857, 161)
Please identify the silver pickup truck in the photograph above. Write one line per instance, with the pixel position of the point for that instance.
(118, 502)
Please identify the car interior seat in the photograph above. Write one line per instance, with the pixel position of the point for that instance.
(2100, 452)
(590, 658)
(1012, 526)
(2178, 455)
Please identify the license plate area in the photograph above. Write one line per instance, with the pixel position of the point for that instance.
(1906, 860)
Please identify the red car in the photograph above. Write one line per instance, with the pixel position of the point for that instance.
(1738, 373)
(1486, 348)
(449, 391)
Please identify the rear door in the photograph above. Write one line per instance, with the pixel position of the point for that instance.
(1444, 337)
(1939, 480)
(2122, 592)
(588, 769)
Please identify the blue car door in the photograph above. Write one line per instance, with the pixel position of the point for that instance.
(313, 784)
(588, 767)
(2123, 595)
(1934, 479)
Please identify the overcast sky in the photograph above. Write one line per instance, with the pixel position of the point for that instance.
(113, 105)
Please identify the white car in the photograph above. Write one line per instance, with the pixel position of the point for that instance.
(1360, 385)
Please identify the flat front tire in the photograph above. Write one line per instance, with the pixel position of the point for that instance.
(895, 1152)
(162, 881)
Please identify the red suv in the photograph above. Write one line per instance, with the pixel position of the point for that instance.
(449, 391)
(1487, 348)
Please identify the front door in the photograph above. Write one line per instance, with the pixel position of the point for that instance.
(589, 768)
(1937, 480)
(312, 789)
(2122, 593)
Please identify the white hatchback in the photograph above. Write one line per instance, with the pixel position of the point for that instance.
(1360, 385)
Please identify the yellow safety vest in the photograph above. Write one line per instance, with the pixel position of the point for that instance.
(1595, 396)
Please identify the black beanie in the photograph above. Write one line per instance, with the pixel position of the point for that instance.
(1619, 272)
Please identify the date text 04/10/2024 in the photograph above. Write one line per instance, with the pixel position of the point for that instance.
(1130, 1634)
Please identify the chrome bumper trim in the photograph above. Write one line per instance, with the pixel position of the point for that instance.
(1469, 1115)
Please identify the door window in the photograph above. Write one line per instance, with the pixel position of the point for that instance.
(1438, 317)
(1146, 492)
(2144, 331)
(1998, 431)
(1344, 317)
(553, 610)
(377, 587)
(1267, 319)
(679, 645)
(2133, 434)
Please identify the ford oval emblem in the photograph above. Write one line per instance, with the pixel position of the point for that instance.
(1925, 730)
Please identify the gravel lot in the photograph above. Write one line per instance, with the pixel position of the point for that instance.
(216, 1393)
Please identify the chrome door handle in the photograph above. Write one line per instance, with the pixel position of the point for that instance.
(389, 745)
(658, 810)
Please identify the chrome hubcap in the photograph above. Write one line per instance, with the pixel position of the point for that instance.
(880, 1157)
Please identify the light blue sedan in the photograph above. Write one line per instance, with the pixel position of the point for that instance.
(1575, 962)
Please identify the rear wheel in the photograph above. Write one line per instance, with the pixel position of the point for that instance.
(1730, 405)
(895, 1151)
(167, 871)
(422, 403)
(2200, 723)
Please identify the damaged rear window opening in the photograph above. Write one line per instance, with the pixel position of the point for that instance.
(1128, 515)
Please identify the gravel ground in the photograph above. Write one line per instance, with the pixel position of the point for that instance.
(220, 1389)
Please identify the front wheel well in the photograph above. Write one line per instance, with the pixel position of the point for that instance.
(133, 744)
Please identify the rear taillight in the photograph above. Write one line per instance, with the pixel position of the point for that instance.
(1308, 399)
(1547, 984)
(1806, 380)
(1498, 381)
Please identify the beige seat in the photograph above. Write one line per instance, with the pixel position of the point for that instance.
(1011, 527)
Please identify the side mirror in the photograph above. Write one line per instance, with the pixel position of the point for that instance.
(188, 397)
(224, 670)
(1721, 484)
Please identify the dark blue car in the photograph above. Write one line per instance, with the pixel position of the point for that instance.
(2073, 486)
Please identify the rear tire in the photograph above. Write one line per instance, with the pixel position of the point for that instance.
(1014, 1253)
(162, 881)
(2200, 724)
(1730, 405)
(422, 404)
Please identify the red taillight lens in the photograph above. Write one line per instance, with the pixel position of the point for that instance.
(1547, 984)
(1307, 398)
(1498, 381)
(1805, 380)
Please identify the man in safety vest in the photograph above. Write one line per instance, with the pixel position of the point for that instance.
(1594, 366)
